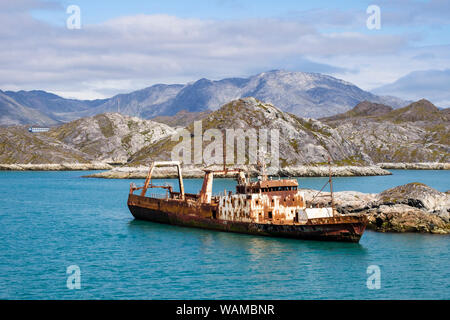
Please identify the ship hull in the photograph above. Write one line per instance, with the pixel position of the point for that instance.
(346, 229)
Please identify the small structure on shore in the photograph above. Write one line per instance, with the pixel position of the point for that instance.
(38, 129)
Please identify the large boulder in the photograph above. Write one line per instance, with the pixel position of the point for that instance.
(404, 218)
(420, 196)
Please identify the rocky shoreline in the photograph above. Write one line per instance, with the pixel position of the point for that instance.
(198, 173)
(125, 172)
(414, 207)
(416, 166)
(56, 167)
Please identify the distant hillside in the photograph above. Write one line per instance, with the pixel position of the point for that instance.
(17, 145)
(14, 113)
(422, 110)
(362, 109)
(419, 132)
(303, 94)
(182, 118)
(110, 137)
(302, 141)
(145, 103)
(50, 103)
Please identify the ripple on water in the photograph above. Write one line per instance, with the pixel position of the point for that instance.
(50, 220)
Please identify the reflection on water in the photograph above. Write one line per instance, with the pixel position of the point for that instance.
(257, 247)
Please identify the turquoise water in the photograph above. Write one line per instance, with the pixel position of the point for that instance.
(51, 220)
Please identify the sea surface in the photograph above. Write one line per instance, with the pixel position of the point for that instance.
(50, 221)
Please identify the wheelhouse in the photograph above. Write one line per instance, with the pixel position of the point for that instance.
(268, 186)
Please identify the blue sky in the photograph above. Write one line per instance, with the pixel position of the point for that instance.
(100, 11)
(127, 45)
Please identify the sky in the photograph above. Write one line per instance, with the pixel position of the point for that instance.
(122, 46)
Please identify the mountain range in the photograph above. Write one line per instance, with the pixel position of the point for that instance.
(303, 94)
(369, 133)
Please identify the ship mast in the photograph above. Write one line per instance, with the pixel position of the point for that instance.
(262, 164)
(224, 142)
(331, 182)
(264, 173)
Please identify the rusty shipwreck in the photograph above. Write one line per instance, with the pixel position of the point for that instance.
(264, 207)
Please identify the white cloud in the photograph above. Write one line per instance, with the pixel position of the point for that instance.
(132, 52)
(415, 12)
(431, 84)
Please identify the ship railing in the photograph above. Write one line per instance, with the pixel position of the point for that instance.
(158, 195)
(177, 195)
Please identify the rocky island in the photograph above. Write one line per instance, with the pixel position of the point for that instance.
(193, 172)
(414, 207)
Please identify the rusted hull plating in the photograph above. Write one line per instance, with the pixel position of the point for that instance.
(342, 228)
